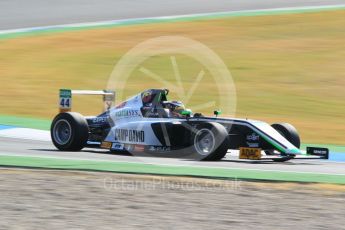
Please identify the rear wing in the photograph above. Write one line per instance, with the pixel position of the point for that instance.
(65, 98)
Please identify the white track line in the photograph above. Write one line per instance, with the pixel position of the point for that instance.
(26, 134)
(171, 165)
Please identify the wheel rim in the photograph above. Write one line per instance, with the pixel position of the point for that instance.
(62, 132)
(204, 142)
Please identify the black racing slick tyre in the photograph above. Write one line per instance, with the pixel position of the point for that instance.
(210, 142)
(289, 132)
(69, 131)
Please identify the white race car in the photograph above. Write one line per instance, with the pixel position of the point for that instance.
(148, 123)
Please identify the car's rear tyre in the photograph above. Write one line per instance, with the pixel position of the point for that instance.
(210, 142)
(69, 131)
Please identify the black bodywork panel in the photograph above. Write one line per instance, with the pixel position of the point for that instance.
(179, 132)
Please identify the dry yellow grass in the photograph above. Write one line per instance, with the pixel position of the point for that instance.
(286, 68)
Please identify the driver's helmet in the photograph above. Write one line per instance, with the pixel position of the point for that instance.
(147, 97)
(175, 107)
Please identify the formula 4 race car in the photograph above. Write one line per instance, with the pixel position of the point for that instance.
(148, 123)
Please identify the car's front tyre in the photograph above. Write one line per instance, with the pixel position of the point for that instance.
(290, 133)
(69, 131)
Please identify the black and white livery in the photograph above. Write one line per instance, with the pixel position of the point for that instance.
(148, 123)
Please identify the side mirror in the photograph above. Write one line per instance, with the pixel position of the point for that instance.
(217, 112)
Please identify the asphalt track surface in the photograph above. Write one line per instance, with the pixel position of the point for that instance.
(34, 13)
(20, 147)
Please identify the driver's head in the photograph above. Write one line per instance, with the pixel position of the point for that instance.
(147, 97)
(175, 107)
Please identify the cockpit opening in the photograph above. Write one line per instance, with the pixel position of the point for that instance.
(156, 105)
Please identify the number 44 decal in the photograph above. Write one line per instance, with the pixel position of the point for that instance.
(65, 103)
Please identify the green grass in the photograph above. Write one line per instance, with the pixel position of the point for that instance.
(25, 122)
(206, 172)
(286, 68)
